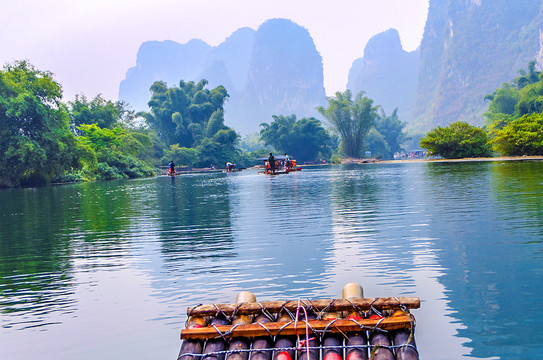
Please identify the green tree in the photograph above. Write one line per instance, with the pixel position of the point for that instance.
(503, 100)
(219, 149)
(388, 136)
(182, 156)
(521, 96)
(531, 100)
(377, 144)
(118, 151)
(352, 120)
(523, 136)
(527, 78)
(99, 111)
(186, 114)
(35, 138)
(192, 116)
(304, 139)
(458, 140)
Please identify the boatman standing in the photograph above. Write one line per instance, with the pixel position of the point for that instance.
(287, 162)
(271, 161)
(172, 168)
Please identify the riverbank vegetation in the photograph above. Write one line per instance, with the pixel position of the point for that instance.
(45, 140)
(306, 138)
(514, 123)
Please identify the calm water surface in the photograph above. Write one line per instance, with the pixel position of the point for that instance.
(106, 270)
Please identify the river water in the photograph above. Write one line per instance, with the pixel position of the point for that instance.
(106, 270)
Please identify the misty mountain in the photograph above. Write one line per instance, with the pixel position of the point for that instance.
(387, 73)
(286, 73)
(469, 48)
(274, 70)
(162, 60)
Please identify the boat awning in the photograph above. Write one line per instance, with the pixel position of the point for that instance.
(278, 157)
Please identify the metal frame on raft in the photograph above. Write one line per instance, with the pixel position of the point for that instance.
(333, 329)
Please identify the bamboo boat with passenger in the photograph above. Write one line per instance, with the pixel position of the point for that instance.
(351, 328)
(283, 165)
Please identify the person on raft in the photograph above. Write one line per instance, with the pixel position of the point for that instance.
(172, 168)
(230, 166)
(271, 161)
(287, 162)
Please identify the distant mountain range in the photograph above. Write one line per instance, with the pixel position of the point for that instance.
(275, 70)
(387, 74)
(469, 48)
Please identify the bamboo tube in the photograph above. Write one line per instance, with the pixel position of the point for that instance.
(192, 346)
(308, 342)
(407, 352)
(262, 342)
(332, 340)
(332, 353)
(330, 305)
(405, 337)
(357, 339)
(352, 290)
(241, 343)
(282, 342)
(360, 352)
(217, 344)
(377, 340)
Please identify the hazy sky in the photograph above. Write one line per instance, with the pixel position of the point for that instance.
(89, 45)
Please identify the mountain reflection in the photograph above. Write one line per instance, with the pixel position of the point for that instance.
(489, 218)
(194, 219)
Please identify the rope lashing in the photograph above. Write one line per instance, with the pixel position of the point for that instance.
(265, 328)
(355, 307)
(266, 312)
(323, 311)
(219, 312)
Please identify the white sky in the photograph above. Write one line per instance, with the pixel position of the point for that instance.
(89, 45)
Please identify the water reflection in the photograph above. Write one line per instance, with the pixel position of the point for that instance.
(488, 210)
(194, 220)
(35, 267)
(465, 237)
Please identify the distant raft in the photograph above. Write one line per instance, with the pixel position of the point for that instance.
(351, 328)
(283, 165)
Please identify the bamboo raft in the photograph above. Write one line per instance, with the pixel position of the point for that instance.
(351, 328)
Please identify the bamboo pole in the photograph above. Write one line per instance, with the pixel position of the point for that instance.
(356, 340)
(282, 342)
(261, 342)
(409, 351)
(254, 330)
(318, 305)
(239, 344)
(192, 346)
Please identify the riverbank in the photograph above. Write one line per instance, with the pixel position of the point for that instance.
(499, 158)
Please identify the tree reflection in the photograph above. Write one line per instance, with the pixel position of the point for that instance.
(35, 268)
(488, 220)
(194, 216)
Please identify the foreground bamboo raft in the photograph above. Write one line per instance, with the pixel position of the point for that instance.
(351, 328)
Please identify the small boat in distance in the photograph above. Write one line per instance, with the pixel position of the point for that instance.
(231, 167)
(283, 165)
